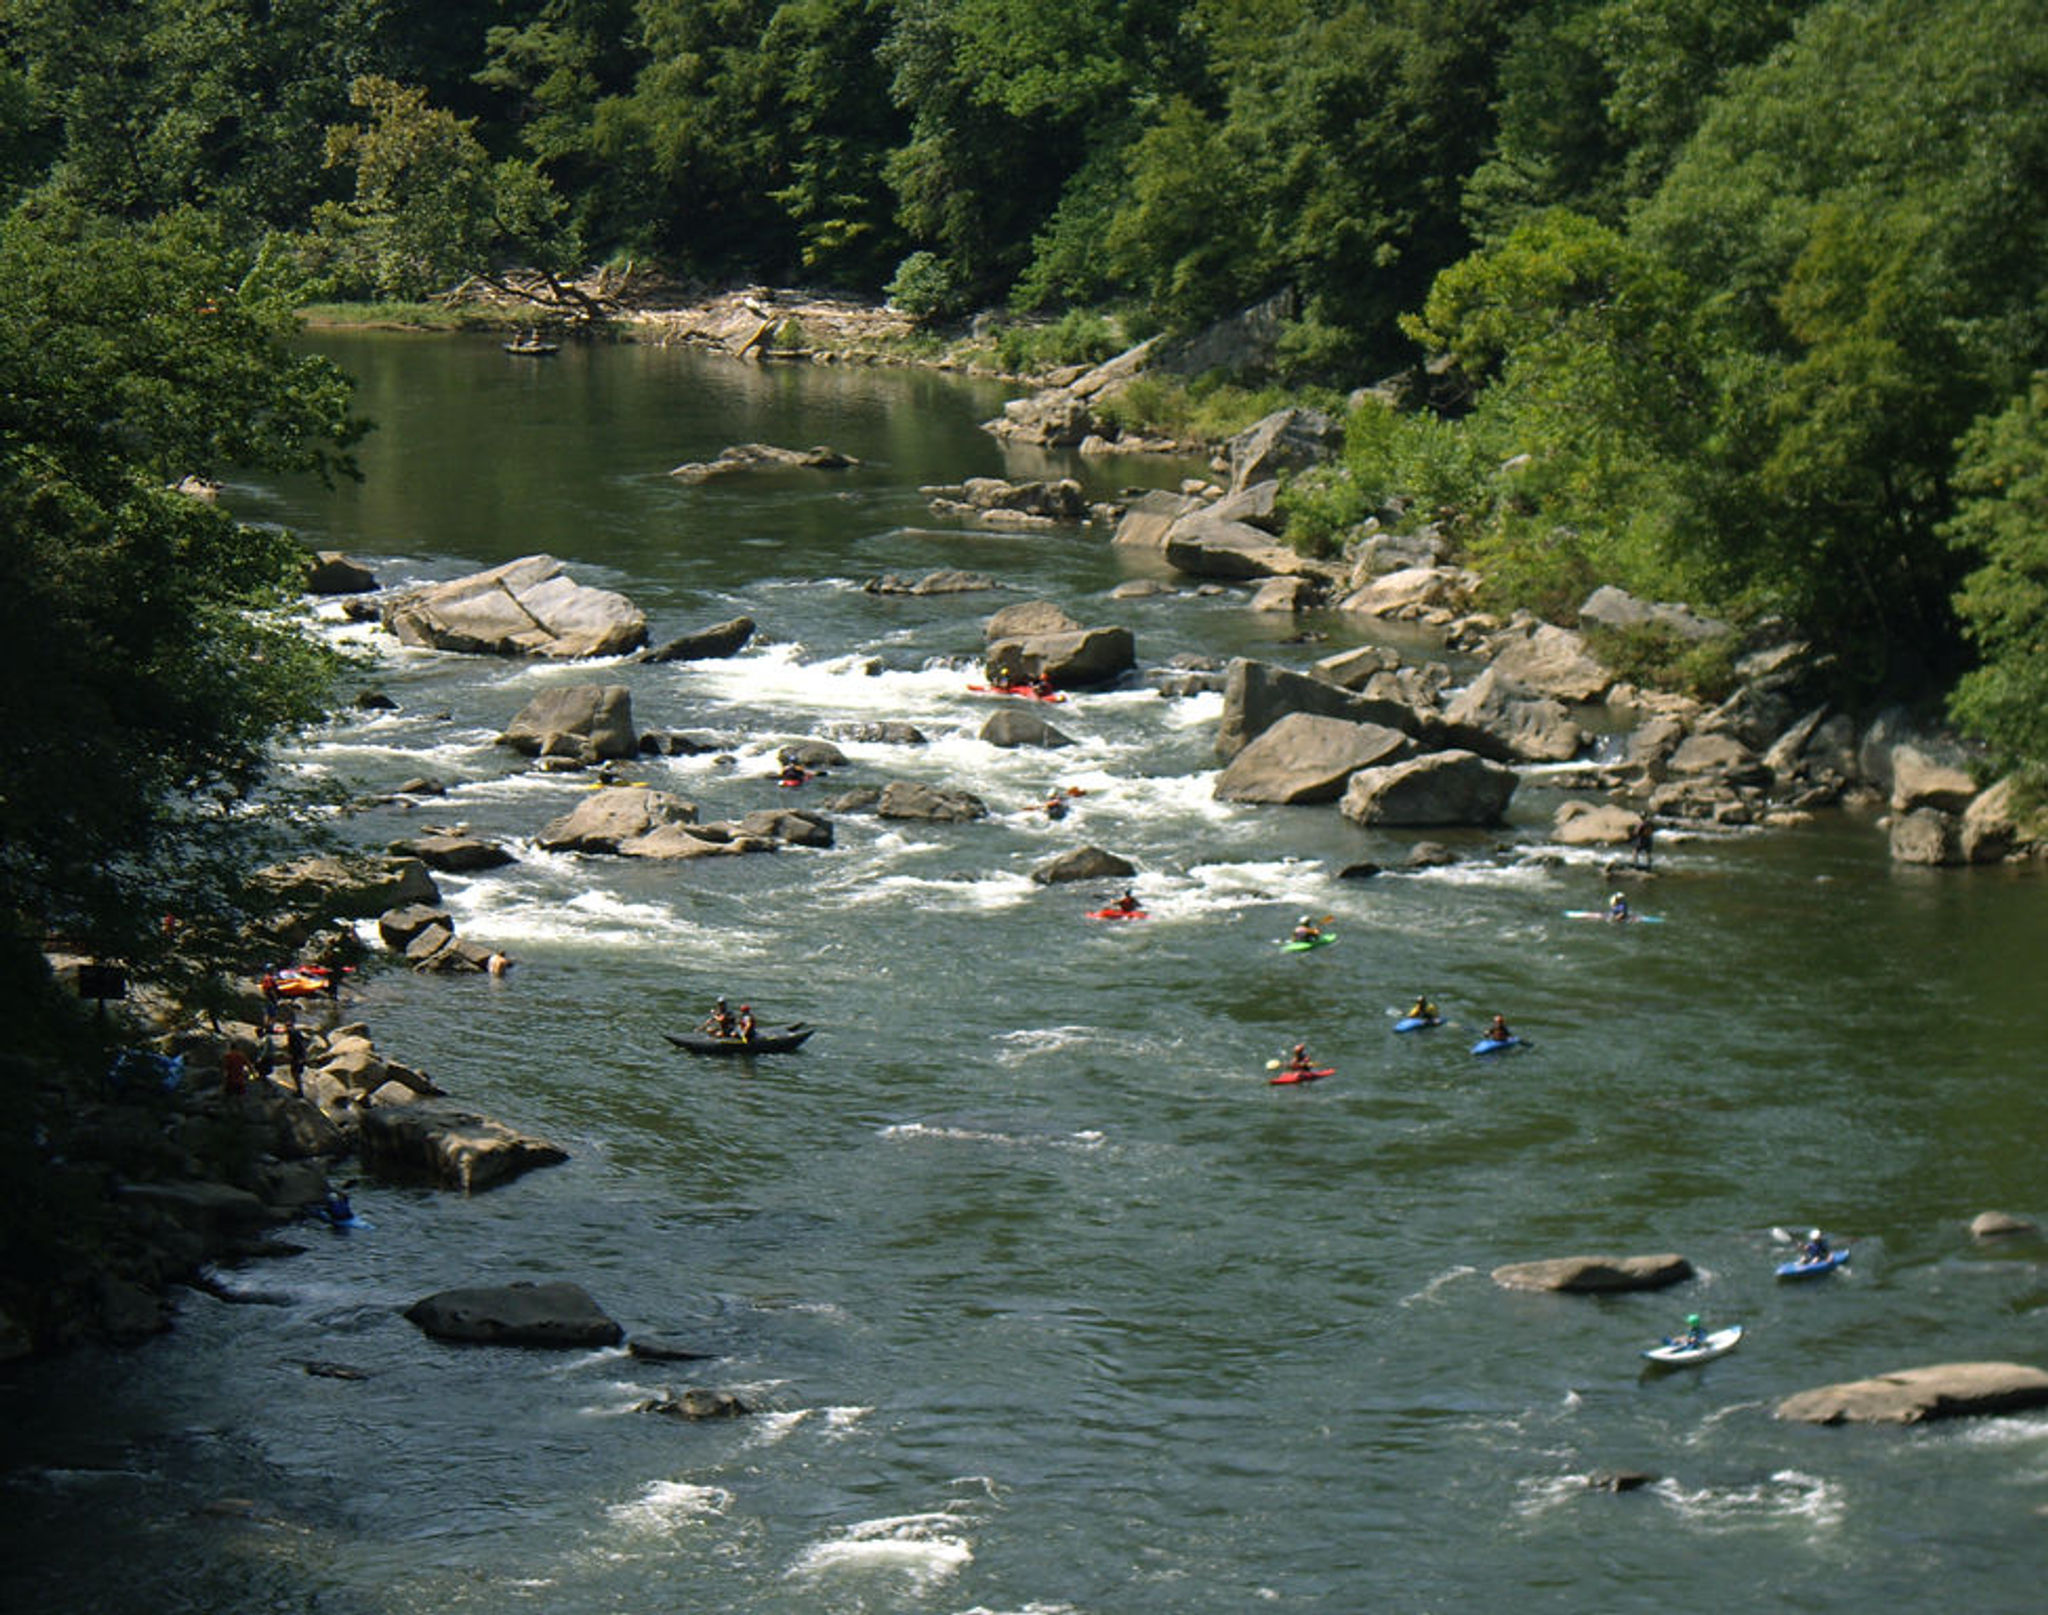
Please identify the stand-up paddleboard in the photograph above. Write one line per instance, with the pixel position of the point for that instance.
(1801, 1269)
(1677, 1354)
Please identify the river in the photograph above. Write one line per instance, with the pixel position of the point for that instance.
(1046, 1300)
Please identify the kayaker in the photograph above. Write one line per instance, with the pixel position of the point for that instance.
(1299, 1060)
(720, 1022)
(1422, 1009)
(1816, 1248)
(1695, 1332)
(1056, 805)
(1498, 1032)
(746, 1023)
(793, 774)
(1617, 907)
(1306, 929)
(1042, 686)
(1128, 903)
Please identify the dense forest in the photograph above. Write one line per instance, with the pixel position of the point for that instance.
(1744, 301)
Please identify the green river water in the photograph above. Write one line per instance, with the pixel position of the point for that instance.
(1047, 1301)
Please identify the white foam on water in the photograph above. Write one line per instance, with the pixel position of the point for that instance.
(1429, 1291)
(769, 1429)
(835, 688)
(667, 1505)
(1788, 1494)
(952, 1132)
(2013, 1430)
(978, 893)
(1022, 1044)
(841, 1422)
(511, 911)
(923, 1550)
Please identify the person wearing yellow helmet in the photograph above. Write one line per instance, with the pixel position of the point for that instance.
(1617, 907)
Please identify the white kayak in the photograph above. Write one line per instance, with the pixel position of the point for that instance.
(1718, 1343)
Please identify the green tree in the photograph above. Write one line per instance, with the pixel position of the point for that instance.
(430, 207)
(2001, 523)
(149, 661)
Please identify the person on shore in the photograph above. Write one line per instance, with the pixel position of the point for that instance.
(234, 1073)
(295, 1054)
(1497, 1030)
(746, 1026)
(1306, 929)
(268, 984)
(720, 1022)
(1617, 908)
(1639, 841)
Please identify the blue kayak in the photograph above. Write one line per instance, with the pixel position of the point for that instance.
(1800, 1268)
(1493, 1045)
(1417, 1023)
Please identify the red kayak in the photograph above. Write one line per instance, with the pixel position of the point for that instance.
(1117, 914)
(1286, 1078)
(1030, 692)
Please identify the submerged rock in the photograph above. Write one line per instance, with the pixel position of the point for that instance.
(523, 1314)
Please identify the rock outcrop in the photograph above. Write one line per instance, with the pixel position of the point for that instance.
(554, 1315)
(742, 457)
(527, 607)
(1013, 727)
(1439, 788)
(1084, 863)
(910, 799)
(445, 1146)
(1917, 1395)
(1307, 758)
(720, 640)
(609, 818)
(1595, 1275)
(584, 722)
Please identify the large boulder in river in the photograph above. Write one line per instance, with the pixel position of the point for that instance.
(607, 819)
(356, 888)
(1307, 758)
(1544, 659)
(1413, 589)
(445, 1147)
(1077, 660)
(720, 640)
(763, 457)
(1441, 787)
(1487, 718)
(589, 722)
(1595, 824)
(1207, 546)
(1257, 695)
(1995, 826)
(1924, 836)
(527, 607)
(332, 572)
(454, 852)
(1916, 1395)
(560, 1314)
(1013, 727)
(1925, 779)
(1027, 618)
(1148, 519)
(1595, 1275)
(910, 799)
(1084, 863)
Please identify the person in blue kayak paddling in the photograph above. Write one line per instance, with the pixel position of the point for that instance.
(1497, 1031)
(1816, 1248)
(1306, 929)
(1617, 907)
(1422, 1009)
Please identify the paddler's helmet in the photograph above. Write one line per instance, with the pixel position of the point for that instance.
(1692, 1320)
(1813, 1233)
(1301, 1048)
(1617, 898)
(744, 1008)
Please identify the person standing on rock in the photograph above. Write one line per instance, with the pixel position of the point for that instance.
(1639, 841)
